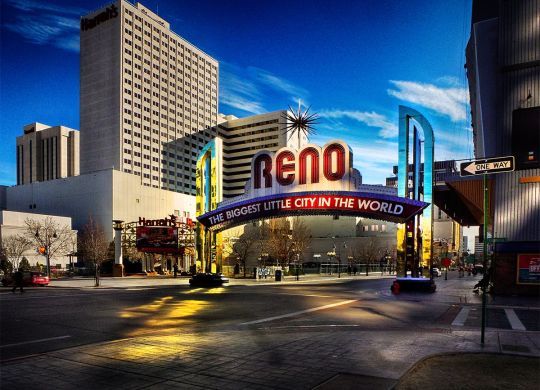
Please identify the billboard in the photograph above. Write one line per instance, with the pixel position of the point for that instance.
(528, 271)
(157, 239)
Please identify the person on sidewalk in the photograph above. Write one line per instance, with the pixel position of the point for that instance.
(18, 279)
(175, 270)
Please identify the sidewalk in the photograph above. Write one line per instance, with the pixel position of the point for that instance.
(168, 281)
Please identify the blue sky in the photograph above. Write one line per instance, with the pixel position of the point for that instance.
(353, 62)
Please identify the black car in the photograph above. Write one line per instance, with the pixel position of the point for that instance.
(207, 280)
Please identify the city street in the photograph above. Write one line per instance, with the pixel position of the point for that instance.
(251, 334)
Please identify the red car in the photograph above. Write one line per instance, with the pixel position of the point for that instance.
(30, 278)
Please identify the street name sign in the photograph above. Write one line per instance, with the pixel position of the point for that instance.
(487, 165)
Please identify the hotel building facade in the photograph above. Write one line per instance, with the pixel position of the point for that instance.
(46, 153)
(142, 88)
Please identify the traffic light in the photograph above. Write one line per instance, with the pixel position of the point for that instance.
(42, 250)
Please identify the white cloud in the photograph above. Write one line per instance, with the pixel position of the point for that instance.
(241, 103)
(451, 101)
(32, 6)
(449, 80)
(280, 84)
(387, 128)
(47, 29)
(375, 160)
(238, 91)
(248, 89)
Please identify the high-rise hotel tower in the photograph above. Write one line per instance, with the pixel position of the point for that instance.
(143, 88)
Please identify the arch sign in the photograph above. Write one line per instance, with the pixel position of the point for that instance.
(310, 181)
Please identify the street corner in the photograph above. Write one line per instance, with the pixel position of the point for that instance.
(474, 369)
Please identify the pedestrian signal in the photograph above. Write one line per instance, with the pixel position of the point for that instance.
(42, 250)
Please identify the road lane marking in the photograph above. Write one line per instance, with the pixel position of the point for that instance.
(299, 312)
(461, 317)
(35, 341)
(515, 323)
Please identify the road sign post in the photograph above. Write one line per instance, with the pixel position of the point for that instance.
(487, 165)
(484, 167)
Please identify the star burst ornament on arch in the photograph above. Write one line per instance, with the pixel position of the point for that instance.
(300, 122)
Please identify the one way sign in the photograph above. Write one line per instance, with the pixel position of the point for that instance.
(488, 165)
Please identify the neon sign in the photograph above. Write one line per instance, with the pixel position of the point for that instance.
(311, 165)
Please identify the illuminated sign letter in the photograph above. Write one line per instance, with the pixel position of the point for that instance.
(314, 158)
(328, 160)
(266, 172)
(285, 170)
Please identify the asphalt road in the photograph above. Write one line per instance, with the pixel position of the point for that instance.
(48, 319)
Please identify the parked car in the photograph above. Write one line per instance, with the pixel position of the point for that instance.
(30, 278)
(436, 272)
(207, 280)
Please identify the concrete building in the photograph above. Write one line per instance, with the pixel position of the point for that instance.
(503, 70)
(12, 223)
(142, 88)
(106, 195)
(47, 152)
(244, 137)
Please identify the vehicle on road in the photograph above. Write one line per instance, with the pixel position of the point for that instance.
(436, 272)
(413, 284)
(30, 278)
(207, 280)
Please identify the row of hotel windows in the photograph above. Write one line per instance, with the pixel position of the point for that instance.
(207, 74)
(162, 115)
(166, 36)
(163, 55)
(187, 97)
(194, 129)
(165, 80)
(163, 161)
(163, 103)
(253, 140)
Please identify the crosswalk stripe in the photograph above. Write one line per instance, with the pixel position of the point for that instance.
(461, 317)
(515, 323)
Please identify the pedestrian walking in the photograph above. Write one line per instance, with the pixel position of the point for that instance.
(175, 270)
(18, 280)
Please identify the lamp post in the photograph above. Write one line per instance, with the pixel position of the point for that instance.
(45, 247)
(118, 269)
(331, 254)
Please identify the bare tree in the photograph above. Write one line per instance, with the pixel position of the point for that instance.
(51, 238)
(243, 245)
(94, 245)
(14, 247)
(262, 243)
(279, 241)
(371, 252)
(300, 237)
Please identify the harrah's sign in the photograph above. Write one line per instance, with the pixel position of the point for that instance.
(109, 13)
(329, 167)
